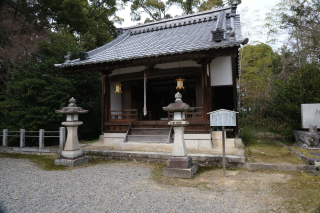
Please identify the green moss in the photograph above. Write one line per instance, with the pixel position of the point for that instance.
(45, 162)
(267, 151)
(307, 152)
(301, 193)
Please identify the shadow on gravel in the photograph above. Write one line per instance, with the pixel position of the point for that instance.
(1, 207)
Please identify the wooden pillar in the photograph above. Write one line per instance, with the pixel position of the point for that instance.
(209, 89)
(234, 61)
(205, 91)
(102, 103)
(105, 101)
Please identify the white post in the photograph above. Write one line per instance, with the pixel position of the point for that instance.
(22, 138)
(224, 153)
(62, 137)
(41, 138)
(5, 138)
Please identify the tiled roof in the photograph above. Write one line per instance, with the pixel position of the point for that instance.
(189, 33)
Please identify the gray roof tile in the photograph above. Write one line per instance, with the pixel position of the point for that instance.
(171, 36)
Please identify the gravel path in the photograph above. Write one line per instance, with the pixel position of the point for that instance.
(116, 187)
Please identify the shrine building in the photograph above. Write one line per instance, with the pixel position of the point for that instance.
(147, 64)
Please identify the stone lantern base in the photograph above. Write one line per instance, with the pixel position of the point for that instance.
(180, 167)
(72, 162)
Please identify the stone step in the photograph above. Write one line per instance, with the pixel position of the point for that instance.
(148, 138)
(148, 131)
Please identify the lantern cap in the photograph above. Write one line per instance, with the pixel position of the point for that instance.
(178, 106)
(72, 108)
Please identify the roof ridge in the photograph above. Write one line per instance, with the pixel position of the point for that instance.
(177, 18)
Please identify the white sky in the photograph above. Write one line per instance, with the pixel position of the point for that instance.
(261, 5)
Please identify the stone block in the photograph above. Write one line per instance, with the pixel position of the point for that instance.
(180, 167)
(180, 162)
(180, 172)
(217, 135)
(306, 139)
(72, 162)
(238, 143)
(205, 144)
(229, 143)
(116, 140)
(192, 144)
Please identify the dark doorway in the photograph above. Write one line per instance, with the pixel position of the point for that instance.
(160, 93)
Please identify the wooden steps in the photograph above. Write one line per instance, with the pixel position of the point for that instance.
(138, 132)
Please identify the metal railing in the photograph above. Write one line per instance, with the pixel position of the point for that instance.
(23, 136)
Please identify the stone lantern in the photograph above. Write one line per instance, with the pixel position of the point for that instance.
(72, 155)
(180, 164)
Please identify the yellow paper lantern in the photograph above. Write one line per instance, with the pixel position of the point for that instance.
(118, 88)
(180, 83)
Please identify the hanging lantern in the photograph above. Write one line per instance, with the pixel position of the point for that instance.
(118, 88)
(180, 83)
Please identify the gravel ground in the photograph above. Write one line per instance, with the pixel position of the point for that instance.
(115, 187)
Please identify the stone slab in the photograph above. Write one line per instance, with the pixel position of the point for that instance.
(205, 144)
(72, 162)
(180, 172)
(72, 154)
(114, 135)
(197, 136)
(310, 115)
(108, 142)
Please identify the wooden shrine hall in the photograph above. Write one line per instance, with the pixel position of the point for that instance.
(147, 64)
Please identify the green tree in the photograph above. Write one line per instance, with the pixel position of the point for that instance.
(188, 6)
(36, 89)
(287, 96)
(209, 4)
(92, 20)
(258, 64)
(156, 9)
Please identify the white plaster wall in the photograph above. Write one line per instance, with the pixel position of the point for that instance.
(221, 71)
(115, 99)
(176, 65)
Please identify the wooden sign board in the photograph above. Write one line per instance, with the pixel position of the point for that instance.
(223, 117)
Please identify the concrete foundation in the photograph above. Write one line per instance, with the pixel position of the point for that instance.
(72, 162)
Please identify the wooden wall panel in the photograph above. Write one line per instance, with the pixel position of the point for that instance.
(126, 95)
(199, 102)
